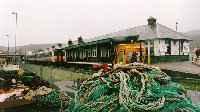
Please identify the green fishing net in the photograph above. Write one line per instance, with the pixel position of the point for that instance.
(131, 88)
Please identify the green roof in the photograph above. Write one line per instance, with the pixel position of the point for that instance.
(103, 40)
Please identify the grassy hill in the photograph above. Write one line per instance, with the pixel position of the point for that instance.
(195, 36)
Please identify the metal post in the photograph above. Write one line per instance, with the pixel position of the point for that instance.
(16, 17)
(190, 52)
(149, 53)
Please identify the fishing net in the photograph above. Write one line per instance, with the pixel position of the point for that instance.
(131, 88)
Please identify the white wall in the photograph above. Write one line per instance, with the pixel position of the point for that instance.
(159, 47)
(186, 47)
(156, 48)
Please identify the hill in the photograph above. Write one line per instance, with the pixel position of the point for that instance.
(3, 48)
(195, 36)
(30, 47)
(33, 47)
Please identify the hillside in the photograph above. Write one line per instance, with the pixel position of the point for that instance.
(195, 36)
(30, 47)
(35, 46)
(3, 48)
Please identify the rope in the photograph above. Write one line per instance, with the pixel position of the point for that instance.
(131, 88)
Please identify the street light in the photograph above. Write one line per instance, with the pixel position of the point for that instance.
(7, 36)
(16, 17)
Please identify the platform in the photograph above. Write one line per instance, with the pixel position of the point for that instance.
(184, 67)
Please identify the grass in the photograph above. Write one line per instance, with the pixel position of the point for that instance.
(53, 74)
(58, 74)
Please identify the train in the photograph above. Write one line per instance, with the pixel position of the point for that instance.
(111, 50)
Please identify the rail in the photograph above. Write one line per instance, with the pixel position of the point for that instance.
(196, 61)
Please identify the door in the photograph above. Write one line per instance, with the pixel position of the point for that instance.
(129, 53)
(121, 57)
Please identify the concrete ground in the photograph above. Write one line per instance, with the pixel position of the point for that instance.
(185, 67)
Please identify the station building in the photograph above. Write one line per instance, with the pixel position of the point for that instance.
(150, 43)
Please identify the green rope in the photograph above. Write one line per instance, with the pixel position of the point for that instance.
(131, 88)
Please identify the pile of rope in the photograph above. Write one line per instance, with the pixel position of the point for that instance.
(131, 88)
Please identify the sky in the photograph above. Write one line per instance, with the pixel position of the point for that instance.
(52, 21)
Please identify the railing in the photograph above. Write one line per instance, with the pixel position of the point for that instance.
(196, 60)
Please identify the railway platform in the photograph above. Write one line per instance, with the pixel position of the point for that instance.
(185, 67)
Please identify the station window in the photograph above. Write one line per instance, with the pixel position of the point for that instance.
(74, 54)
(89, 52)
(84, 53)
(101, 53)
(105, 52)
(66, 55)
(80, 53)
(71, 53)
(94, 52)
(108, 54)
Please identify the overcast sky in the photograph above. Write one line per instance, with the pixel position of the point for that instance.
(50, 21)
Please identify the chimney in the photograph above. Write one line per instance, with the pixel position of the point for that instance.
(151, 21)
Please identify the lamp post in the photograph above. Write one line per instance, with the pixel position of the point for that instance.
(16, 17)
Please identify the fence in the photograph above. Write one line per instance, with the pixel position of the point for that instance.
(196, 60)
